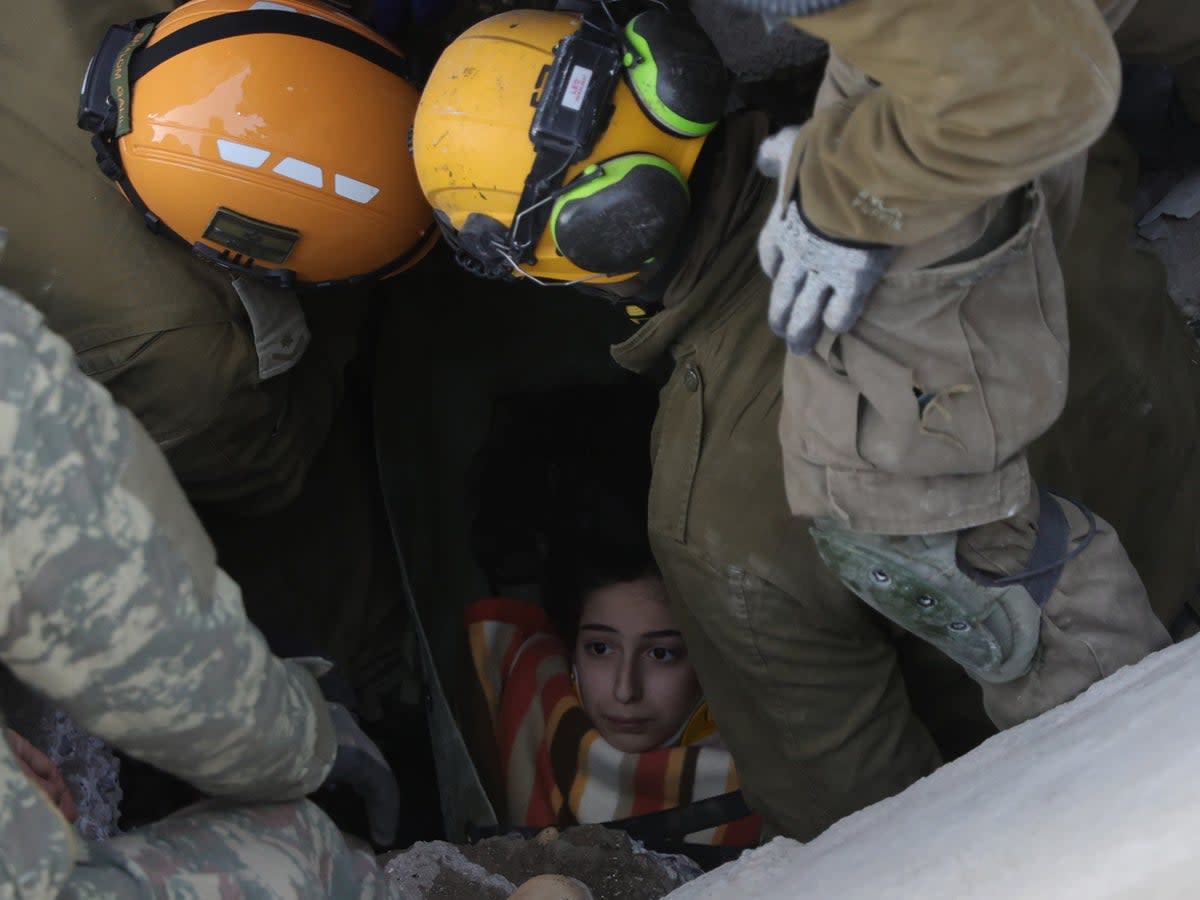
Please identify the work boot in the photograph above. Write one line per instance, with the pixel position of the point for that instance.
(1095, 619)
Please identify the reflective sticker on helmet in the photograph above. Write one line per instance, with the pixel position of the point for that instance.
(352, 189)
(242, 154)
(266, 4)
(577, 85)
(299, 170)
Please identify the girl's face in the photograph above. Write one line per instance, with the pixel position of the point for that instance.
(631, 666)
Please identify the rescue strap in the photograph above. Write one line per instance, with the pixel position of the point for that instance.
(670, 826)
(1049, 555)
(266, 21)
(663, 831)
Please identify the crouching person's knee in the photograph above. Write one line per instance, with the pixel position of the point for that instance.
(1036, 607)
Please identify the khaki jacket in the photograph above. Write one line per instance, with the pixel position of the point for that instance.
(975, 99)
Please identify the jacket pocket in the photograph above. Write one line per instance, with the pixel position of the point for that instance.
(952, 369)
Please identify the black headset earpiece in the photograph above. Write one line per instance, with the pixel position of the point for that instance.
(621, 214)
(675, 72)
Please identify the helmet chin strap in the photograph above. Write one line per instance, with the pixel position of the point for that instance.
(541, 282)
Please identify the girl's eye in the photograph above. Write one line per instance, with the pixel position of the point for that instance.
(665, 654)
(597, 648)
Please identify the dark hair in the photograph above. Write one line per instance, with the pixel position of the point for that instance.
(604, 542)
(561, 491)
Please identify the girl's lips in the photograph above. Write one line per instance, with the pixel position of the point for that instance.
(627, 726)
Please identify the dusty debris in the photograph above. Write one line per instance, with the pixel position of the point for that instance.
(552, 887)
(607, 862)
(438, 869)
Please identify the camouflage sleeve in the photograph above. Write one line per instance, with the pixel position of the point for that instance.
(111, 602)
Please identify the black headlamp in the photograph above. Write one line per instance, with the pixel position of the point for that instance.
(104, 95)
(573, 109)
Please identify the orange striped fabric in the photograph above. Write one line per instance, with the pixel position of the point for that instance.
(558, 769)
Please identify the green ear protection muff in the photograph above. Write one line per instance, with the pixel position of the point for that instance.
(674, 72)
(625, 212)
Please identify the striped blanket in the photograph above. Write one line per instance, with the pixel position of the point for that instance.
(557, 768)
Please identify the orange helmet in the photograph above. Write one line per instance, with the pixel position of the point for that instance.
(271, 137)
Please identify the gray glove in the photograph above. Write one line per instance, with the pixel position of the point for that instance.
(360, 766)
(817, 280)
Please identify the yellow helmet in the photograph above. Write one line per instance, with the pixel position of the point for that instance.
(271, 137)
(559, 146)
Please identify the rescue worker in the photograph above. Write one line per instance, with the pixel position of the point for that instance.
(621, 175)
(244, 148)
(114, 609)
(271, 145)
(914, 161)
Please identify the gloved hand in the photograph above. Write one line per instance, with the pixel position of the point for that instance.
(817, 280)
(359, 765)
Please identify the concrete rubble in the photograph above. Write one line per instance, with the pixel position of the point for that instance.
(607, 862)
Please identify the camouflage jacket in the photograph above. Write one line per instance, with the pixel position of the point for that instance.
(112, 606)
